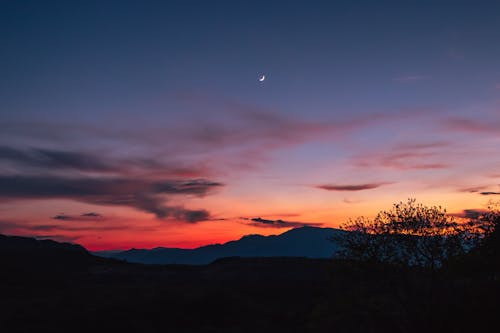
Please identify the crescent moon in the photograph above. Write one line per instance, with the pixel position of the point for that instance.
(262, 78)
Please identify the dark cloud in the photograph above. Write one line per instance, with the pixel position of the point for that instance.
(53, 159)
(62, 217)
(260, 222)
(83, 217)
(198, 187)
(351, 187)
(16, 226)
(474, 189)
(50, 160)
(489, 193)
(91, 214)
(145, 195)
(114, 190)
(469, 213)
(192, 216)
(156, 205)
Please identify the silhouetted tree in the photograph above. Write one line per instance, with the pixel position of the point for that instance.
(409, 234)
(488, 247)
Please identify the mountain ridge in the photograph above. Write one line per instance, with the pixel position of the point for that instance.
(308, 242)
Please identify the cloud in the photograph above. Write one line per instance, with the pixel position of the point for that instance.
(474, 189)
(410, 156)
(411, 161)
(469, 213)
(91, 214)
(246, 138)
(62, 217)
(193, 216)
(155, 205)
(16, 227)
(264, 223)
(198, 187)
(131, 163)
(482, 190)
(235, 136)
(127, 164)
(45, 158)
(52, 160)
(146, 195)
(422, 145)
(351, 187)
(6, 226)
(472, 126)
(83, 217)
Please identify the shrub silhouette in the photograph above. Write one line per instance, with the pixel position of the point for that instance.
(409, 234)
(486, 254)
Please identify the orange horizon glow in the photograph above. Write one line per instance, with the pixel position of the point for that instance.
(140, 230)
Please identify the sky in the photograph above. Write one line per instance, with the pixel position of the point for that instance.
(144, 123)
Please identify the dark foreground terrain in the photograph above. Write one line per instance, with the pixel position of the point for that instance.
(52, 287)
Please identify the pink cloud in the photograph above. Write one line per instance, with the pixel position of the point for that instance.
(472, 126)
(402, 160)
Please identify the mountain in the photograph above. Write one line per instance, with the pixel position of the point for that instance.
(18, 244)
(21, 257)
(309, 242)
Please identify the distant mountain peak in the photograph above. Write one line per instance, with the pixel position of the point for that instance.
(252, 236)
(305, 241)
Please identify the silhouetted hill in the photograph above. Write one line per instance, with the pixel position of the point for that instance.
(308, 242)
(17, 244)
(23, 257)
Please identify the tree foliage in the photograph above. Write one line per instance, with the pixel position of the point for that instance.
(409, 234)
(488, 248)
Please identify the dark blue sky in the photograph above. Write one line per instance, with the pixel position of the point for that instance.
(72, 57)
